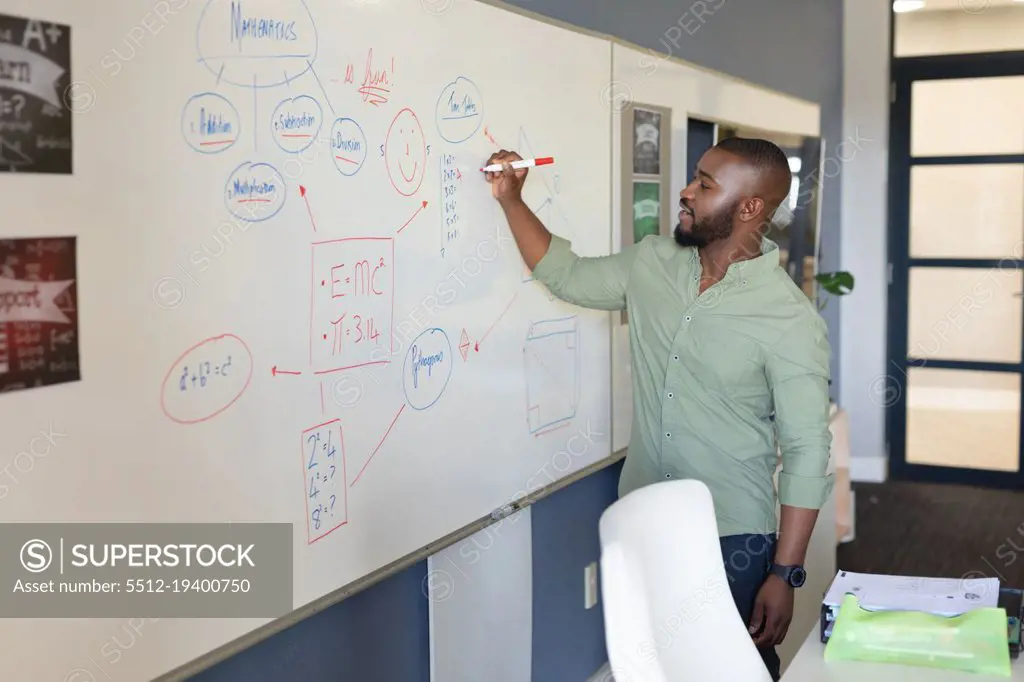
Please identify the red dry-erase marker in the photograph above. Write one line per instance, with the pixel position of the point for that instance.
(525, 163)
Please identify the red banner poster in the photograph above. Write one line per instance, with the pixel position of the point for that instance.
(38, 312)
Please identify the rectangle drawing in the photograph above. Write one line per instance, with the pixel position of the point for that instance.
(36, 97)
(325, 475)
(552, 360)
(351, 307)
(38, 312)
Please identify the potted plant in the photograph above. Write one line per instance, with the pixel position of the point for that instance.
(837, 283)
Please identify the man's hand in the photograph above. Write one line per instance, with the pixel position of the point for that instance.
(773, 611)
(508, 184)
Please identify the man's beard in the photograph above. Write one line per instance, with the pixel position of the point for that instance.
(711, 229)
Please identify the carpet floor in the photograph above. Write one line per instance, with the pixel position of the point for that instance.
(930, 530)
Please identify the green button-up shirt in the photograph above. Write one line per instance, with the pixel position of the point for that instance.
(722, 381)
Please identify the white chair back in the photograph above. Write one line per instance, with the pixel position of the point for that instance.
(668, 612)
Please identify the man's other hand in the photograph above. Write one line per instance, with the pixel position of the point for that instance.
(773, 611)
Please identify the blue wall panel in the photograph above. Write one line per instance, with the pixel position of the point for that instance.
(378, 635)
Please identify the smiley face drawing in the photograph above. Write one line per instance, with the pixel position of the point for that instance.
(405, 153)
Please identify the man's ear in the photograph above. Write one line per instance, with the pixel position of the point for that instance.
(752, 209)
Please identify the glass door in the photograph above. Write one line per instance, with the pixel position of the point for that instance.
(956, 310)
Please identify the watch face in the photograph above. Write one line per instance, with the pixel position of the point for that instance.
(797, 577)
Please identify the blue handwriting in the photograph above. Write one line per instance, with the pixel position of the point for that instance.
(197, 377)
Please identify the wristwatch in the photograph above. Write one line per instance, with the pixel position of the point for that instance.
(795, 576)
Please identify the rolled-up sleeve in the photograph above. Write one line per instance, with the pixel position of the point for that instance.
(597, 282)
(798, 374)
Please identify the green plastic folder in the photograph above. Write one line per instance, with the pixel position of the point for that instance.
(973, 642)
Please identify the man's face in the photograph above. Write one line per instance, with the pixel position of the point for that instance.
(711, 200)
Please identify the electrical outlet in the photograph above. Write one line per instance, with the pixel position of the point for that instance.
(590, 585)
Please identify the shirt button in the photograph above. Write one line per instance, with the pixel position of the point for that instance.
(669, 395)
(744, 282)
(668, 475)
(687, 318)
(675, 357)
(668, 435)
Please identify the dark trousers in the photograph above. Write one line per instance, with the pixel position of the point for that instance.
(747, 560)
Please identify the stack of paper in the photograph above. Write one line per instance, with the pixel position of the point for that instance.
(940, 596)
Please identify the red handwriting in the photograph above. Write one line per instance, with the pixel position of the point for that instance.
(302, 192)
(377, 449)
(376, 82)
(422, 206)
(350, 74)
(476, 346)
(351, 309)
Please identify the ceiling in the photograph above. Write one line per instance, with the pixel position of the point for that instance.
(970, 6)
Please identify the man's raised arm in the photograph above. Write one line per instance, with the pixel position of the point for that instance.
(592, 282)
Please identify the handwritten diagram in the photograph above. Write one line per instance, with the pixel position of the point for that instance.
(296, 123)
(451, 184)
(428, 368)
(348, 146)
(351, 312)
(256, 43)
(210, 123)
(255, 192)
(206, 379)
(324, 470)
(333, 136)
(405, 153)
(459, 111)
(552, 373)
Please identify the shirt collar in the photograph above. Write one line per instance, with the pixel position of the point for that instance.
(766, 262)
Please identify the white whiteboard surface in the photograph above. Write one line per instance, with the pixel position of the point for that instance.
(481, 605)
(169, 275)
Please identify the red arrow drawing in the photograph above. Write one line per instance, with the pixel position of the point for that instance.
(274, 371)
(376, 449)
(422, 206)
(302, 192)
(476, 346)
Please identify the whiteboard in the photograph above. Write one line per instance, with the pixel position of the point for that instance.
(296, 220)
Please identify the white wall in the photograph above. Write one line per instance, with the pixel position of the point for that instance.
(864, 233)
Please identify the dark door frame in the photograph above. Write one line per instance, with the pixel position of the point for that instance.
(905, 71)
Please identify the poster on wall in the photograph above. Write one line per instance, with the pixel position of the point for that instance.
(38, 312)
(646, 209)
(35, 72)
(646, 142)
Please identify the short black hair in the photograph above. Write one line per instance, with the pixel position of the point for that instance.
(763, 154)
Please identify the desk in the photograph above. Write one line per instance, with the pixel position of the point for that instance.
(809, 665)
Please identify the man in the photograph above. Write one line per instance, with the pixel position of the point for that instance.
(730, 364)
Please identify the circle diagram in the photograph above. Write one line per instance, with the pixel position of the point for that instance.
(459, 110)
(427, 369)
(405, 153)
(348, 146)
(296, 122)
(258, 44)
(206, 379)
(255, 192)
(210, 123)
